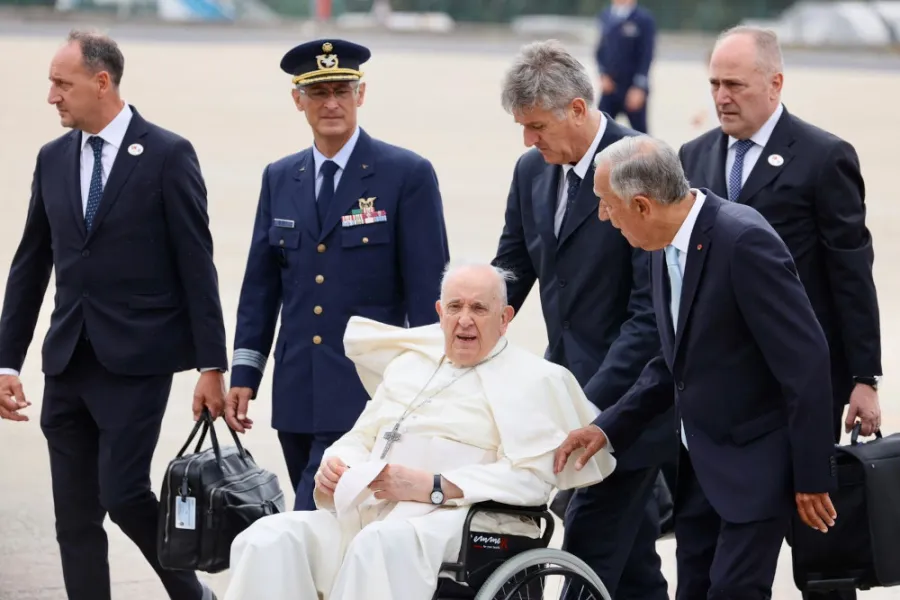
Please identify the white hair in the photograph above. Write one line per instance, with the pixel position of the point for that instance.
(502, 275)
(545, 75)
(769, 58)
(645, 166)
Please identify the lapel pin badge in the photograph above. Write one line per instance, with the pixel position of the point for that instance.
(302, 169)
(135, 149)
(776, 160)
(365, 166)
(699, 246)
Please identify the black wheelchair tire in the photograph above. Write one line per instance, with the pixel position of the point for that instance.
(536, 557)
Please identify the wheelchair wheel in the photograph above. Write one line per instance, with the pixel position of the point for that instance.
(543, 574)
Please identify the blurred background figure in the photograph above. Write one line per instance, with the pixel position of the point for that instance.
(624, 56)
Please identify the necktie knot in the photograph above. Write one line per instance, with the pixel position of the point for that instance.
(741, 147)
(96, 143)
(329, 168)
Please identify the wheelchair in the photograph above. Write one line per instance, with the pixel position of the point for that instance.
(495, 566)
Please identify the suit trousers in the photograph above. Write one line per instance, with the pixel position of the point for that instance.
(303, 455)
(718, 560)
(613, 526)
(101, 431)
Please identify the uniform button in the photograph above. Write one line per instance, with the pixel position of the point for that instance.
(321, 247)
(365, 240)
(562, 283)
(680, 385)
(319, 279)
(281, 242)
(318, 310)
(85, 253)
(317, 339)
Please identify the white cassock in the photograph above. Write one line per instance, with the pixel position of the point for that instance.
(492, 432)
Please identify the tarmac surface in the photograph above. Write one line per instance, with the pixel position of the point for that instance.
(436, 97)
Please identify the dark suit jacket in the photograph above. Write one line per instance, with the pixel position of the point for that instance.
(388, 270)
(141, 284)
(815, 201)
(746, 366)
(595, 289)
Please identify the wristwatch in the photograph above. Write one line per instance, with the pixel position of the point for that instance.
(869, 381)
(437, 494)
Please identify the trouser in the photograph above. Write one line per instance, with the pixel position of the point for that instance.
(101, 431)
(716, 559)
(303, 455)
(613, 526)
(614, 104)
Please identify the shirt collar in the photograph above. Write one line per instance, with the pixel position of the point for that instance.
(343, 155)
(682, 239)
(583, 165)
(761, 137)
(114, 132)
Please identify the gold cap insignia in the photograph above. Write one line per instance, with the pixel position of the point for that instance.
(327, 47)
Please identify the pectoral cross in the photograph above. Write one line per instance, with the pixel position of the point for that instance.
(391, 437)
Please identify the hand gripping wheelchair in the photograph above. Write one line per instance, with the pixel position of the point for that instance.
(495, 566)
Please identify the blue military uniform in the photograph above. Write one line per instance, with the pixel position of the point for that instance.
(360, 234)
(624, 54)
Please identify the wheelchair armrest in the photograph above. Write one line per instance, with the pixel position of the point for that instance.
(538, 513)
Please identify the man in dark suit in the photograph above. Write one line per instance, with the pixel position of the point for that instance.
(595, 296)
(118, 209)
(744, 355)
(807, 183)
(349, 226)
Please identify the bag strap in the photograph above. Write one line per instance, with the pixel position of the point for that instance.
(854, 435)
(208, 425)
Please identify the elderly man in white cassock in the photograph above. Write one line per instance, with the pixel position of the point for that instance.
(458, 415)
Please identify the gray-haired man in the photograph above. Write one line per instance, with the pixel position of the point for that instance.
(595, 294)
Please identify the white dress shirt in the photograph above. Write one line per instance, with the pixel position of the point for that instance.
(760, 139)
(682, 242)
(112, 136)
(582, 167)
(341, 158)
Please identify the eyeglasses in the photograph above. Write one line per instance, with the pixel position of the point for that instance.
(321, 94)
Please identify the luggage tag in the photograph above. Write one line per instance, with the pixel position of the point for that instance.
(185, 513)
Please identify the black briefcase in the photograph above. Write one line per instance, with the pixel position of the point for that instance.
(208, 498)
(861, 550)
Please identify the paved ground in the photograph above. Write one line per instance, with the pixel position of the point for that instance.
(231, 100)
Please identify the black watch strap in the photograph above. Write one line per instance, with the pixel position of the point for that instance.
(870, 381)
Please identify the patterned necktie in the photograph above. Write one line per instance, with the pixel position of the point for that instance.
(95, 191)
(736, 176)
(573, 181)
(326, 192)
(672, 254)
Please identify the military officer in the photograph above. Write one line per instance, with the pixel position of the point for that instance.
(350, 226)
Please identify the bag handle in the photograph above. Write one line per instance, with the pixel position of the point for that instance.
(854, 435)
(206, 422)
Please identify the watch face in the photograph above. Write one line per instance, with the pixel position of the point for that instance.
(437, 497)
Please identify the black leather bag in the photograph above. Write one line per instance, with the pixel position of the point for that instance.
(861, 550)
(208, 498)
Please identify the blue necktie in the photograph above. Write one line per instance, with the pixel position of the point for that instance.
(326, 192)
(672, 254)
(95, 191)
(741, 147)
(572, 183)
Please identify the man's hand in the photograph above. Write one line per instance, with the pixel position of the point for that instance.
(329, 474)
(591, 438)
(634, 99)
(236, 409)
(816, 510)
(12, 398)
(607, 85)
(209, 392)
(865, 407)
(398, 484)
